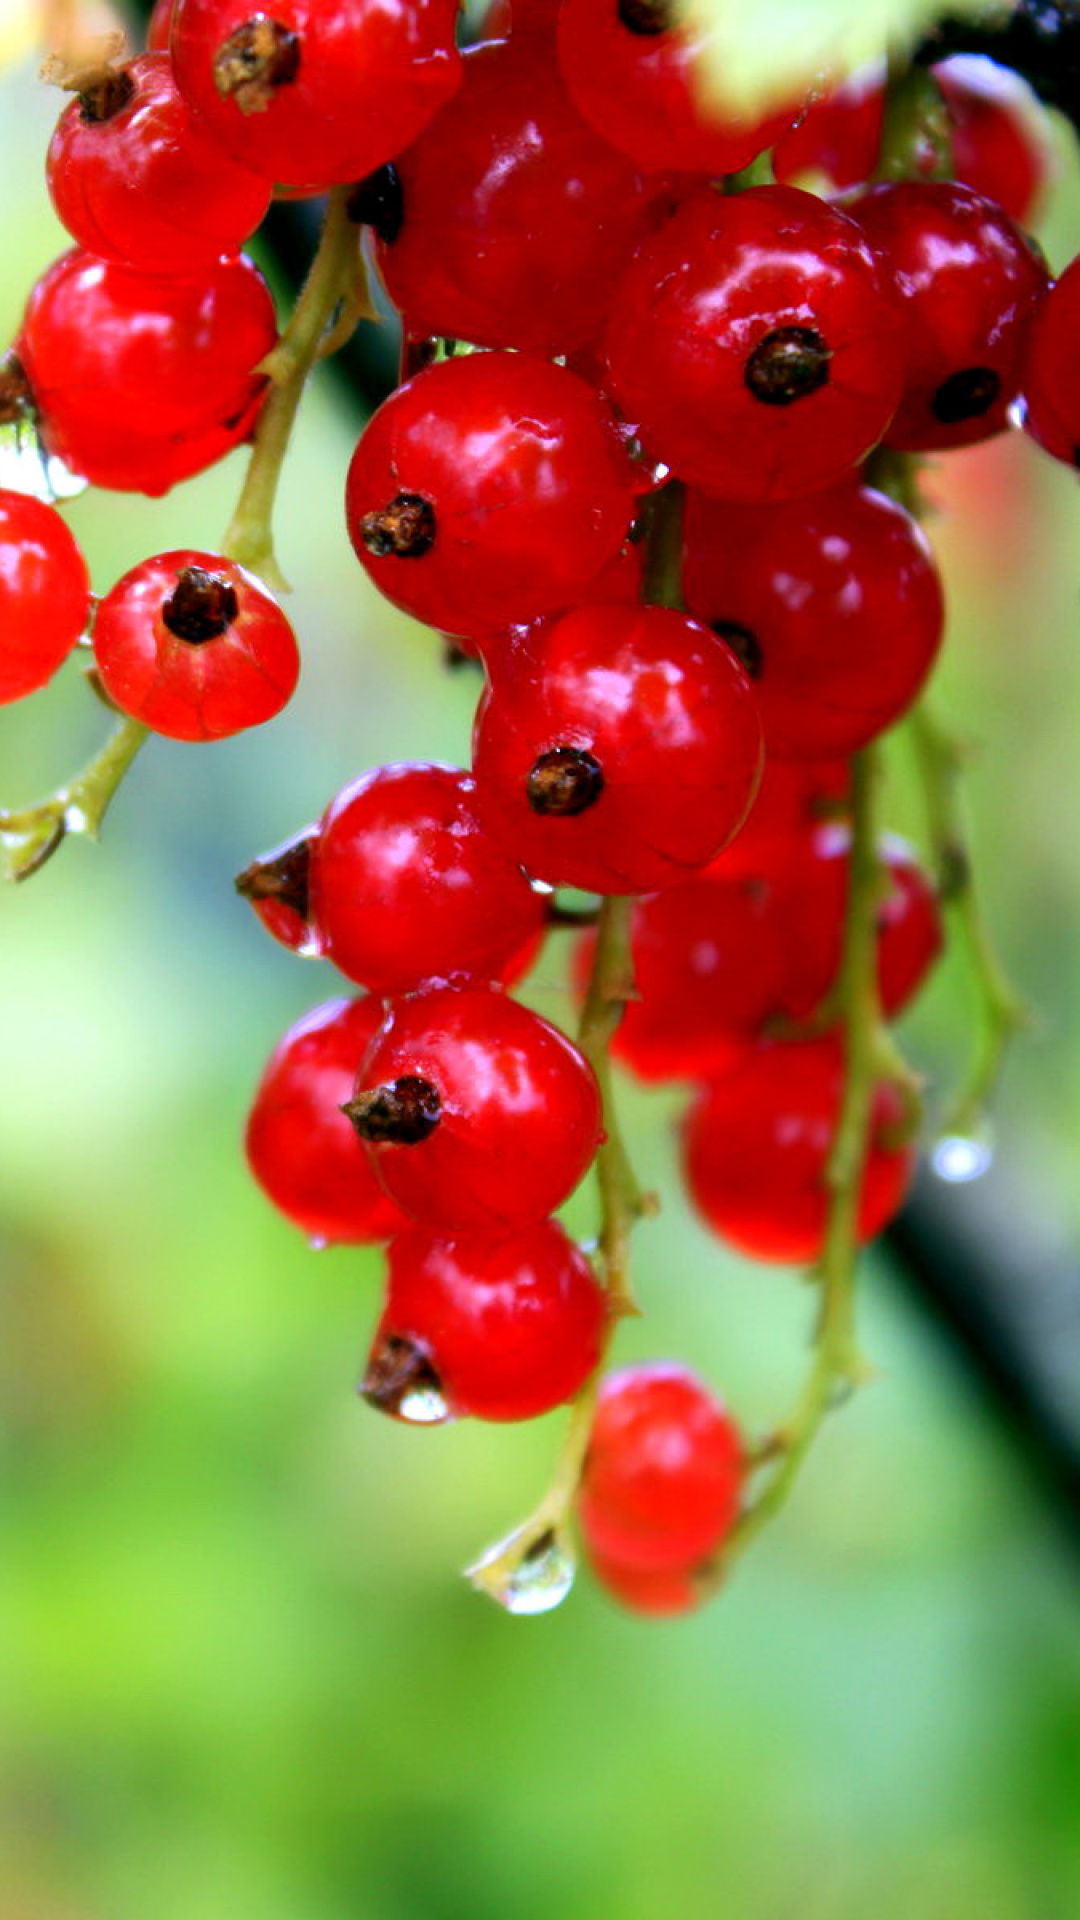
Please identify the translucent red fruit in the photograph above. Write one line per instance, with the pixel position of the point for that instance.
(639, 77)
(159, 26)
(488, 490)
(794, 796)
(142, 380)
(968, 282)
(136, 177)
(407, 886)
(305, 92)
(475, 1111)
(515, 216)
(617, 749)
(655, 1591)
(755, 343)
(277, 884)
(834, 605)
(739, 949)
(1051, 372)
(663, 1472)
(756, 1145)
(502, 1325)
(300, 1147)
(193, 645)
(44, 594)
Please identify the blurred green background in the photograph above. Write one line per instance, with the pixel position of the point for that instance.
(240, 1674)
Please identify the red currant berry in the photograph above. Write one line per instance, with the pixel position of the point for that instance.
(833, 604)
(999, 134)
(655, 1591)
(1051, 375)
(475, 1111)
(664, 1470)
(141, 381)
(793, 795)
(406, 885)
(277, 884)
(192, 645)
(757, 1142)
(44, 594)
(136, 178)
(488, 490)
(159, 26)
(634, 70)
(617, 748)
(300, 1147)
(754, 343)
(837, 140)
(969, 282)
(302, 91)
(500, 1325)
(515, 216)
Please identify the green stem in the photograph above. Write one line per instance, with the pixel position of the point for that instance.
(36, 832)
(663, 560)
(1000, 1012)
(916, 136)
(332, 278)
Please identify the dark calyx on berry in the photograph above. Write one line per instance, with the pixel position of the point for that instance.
(284, 877)
(397, 1372)
(202, 606)
(965, 395)
(402, 1113)
(104, 98)
(405, 527)
(744, 645)
(564, 781)
(645, 16)
(16, 399)
(379, 203)
(787, 365)
(257, 58)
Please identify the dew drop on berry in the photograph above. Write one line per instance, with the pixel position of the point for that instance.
(959, 1158)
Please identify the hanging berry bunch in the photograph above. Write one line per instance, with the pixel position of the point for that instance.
(653, 465)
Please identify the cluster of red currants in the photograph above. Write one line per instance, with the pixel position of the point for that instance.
(639, 498)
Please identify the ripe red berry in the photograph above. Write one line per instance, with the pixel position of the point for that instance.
(635, 71)
(655, 1591)
(193, 645)
(300, 1147)
(515, 217)
(159, 26)
(833, 604)
(488, 490)
(617, 748)
(794, 795)
(313, 94)
(756, 1145)
(755, 344)
(277, 884)
(136, 177)
(969, 282)
(475, 1111)
(44, 594)
(142, 380)
(1051, 372)
(663, 1473)
(407, 886)
(502, 1325)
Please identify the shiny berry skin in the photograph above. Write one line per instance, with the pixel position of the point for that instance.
(969, 282)
(488, 490)
(159, 26)
(1051, 372)
(503, 1325)
(300, 1147)
(517, 217)
(636, 77)
(277, 885)
(756, 1144)
(475, 1111)
(833, 604)
(139, 180)
(44, 594)
(739, 950)
(663, 1473)
(794, 795)
(616, 749)
(193, 646)
(754, 343)
(308, 93)
(142, 380)
(407, 886)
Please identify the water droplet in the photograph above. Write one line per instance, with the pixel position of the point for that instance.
(318, 1242)
(76, 820)
(959, 1157)
(422, 1406)
(536, 1583)
(311, 947)
(25, 467)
